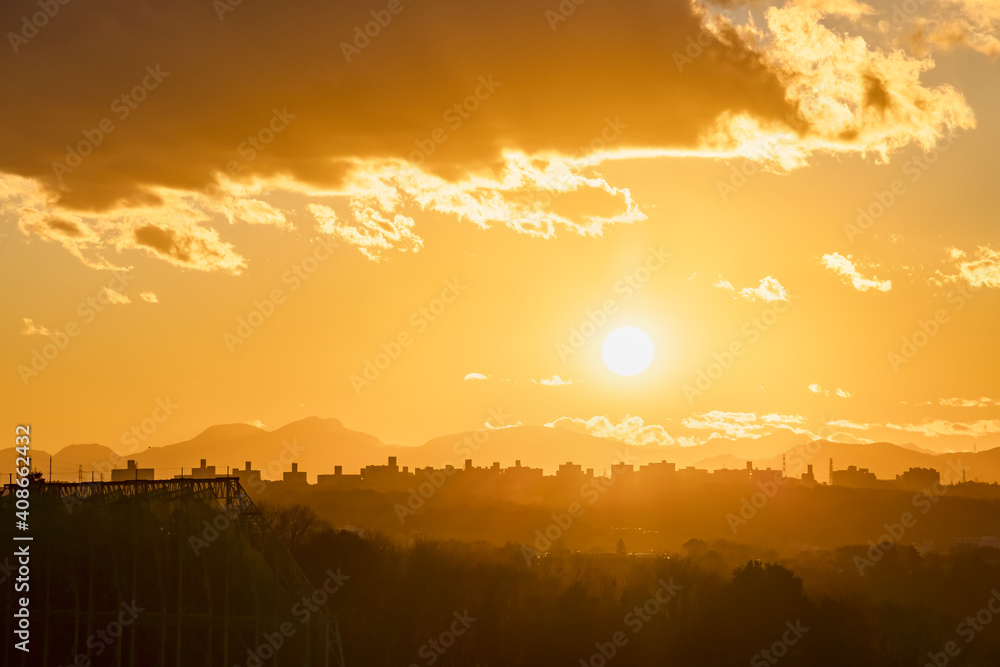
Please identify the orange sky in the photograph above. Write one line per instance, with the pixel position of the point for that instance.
(475, 184)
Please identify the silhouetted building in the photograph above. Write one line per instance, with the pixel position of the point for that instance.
(732, 475)
(918, 479)
(294, 477)
(204, 471)
(131, 472)
(691, 475)
(659, 468)
(808, 477)
(340, 479)
(622, 469)
(854, 477)
(767, 475)
(523, 474)
(570, 470)
(247, 475)
(381, 473)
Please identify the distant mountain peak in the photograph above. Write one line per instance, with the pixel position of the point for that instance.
(229, 431)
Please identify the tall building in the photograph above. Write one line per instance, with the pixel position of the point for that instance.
(131, 472)
(918, 479)
(204, 471)
(854, 477)
(247, 475)
(294, 477)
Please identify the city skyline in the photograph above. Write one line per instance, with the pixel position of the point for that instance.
(806, 240)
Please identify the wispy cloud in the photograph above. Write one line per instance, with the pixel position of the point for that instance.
(31, 329)
(114, 297)
(845, 267)
(984, 271)
(554, 381)
(769, 289)
(744, 424)
(817, 389)
(630, 430)
(983, 402)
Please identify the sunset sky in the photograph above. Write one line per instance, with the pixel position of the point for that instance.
(235, 209)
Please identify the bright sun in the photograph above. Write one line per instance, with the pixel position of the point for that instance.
(627, 351)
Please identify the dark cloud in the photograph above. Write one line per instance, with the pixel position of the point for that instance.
(163, 241)
(64, 226)
(221, 81)
(876, 94)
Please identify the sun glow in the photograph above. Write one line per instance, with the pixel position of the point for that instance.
(627, 351)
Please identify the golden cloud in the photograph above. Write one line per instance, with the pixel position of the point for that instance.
(157, 126)
(844, 266)
(768, 290)
(630, 430)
